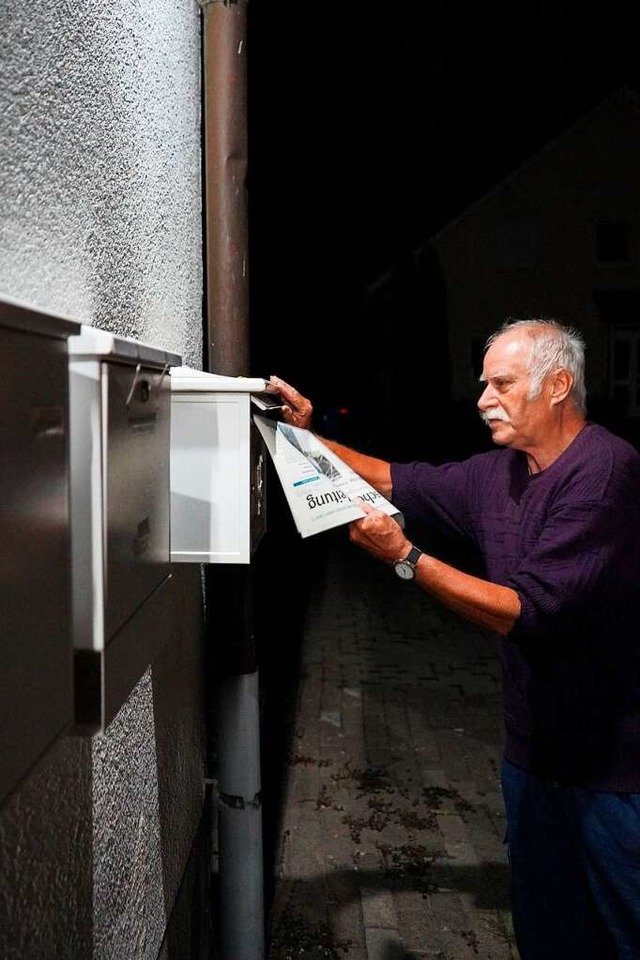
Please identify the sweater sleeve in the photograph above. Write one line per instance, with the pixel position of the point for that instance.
(432, 494)
(572, 573)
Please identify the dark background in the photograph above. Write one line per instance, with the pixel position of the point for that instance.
(371, 126)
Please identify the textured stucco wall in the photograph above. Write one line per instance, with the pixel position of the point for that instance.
(100, 221)
(46, 861)
(100, 176)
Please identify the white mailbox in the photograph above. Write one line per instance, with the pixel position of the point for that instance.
(36, 659)
(121, 599)
(217, 468)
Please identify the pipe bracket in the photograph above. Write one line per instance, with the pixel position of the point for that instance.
(240, 803)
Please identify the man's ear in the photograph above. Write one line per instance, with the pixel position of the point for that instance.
(561, 384)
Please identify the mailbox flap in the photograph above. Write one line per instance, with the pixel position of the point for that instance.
(188, 380)
(94, 343)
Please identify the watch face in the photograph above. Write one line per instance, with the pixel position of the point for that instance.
(404, 570)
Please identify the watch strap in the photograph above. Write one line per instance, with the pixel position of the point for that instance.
(413, 556)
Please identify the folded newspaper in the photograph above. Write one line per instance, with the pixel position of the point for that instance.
(321, 490)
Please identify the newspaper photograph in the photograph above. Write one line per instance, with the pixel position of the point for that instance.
(321, 490)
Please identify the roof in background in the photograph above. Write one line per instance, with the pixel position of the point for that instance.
(624, 95)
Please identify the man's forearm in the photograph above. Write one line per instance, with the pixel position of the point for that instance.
(374, 471)
(488, 604)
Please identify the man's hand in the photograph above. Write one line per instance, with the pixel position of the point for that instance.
(298, 410)
(379, 535)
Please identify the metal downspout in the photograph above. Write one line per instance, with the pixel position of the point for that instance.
(229, 587)
(225, 136)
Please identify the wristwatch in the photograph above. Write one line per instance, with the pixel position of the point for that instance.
(406, 568)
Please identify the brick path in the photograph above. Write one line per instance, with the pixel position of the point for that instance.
(391, 839)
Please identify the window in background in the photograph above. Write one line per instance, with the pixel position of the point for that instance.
(625, 370)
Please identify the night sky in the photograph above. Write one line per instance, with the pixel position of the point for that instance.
(372, 125)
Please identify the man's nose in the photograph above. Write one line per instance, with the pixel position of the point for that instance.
(485, 399)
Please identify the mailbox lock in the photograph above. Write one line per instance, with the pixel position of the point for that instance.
(145, 390)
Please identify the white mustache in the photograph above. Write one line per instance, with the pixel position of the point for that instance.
(495, 413)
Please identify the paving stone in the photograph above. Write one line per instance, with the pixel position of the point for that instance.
(383, 944)
(378, 908)
(391, 832)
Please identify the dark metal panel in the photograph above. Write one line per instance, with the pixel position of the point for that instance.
(35, 652)
(136, 488)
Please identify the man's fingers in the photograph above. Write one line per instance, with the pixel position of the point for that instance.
(367, 526)
(374, 516)
(283, 387)
(298, 409)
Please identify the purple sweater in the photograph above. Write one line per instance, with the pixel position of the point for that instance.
(567, 540)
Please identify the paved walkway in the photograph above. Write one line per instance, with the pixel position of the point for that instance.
(391, 840)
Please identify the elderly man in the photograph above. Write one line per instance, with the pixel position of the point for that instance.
(555, 514)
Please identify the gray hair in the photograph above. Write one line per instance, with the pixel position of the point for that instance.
(554, 346)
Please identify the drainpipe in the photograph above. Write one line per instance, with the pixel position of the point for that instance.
(229, 587)
(225, 152)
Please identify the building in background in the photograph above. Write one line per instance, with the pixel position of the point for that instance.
(560, 237)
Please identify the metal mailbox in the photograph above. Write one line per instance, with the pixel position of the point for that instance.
(217, 468)
(121, 598)
(36, 662)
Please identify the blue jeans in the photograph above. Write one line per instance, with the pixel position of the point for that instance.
(574, 858)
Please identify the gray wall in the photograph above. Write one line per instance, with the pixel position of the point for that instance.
(100, 221)
(100, 195)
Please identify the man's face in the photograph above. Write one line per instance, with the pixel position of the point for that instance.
(514, 419)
